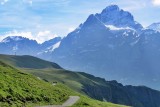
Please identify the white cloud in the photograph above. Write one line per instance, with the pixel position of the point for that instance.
(44, 35)
(156, 2)
(132, 5)
(30, 2)
(40, 37)
(3, 2)
(71, 29)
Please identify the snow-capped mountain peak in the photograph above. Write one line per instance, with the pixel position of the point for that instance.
(12, 38)
(111, 8)
(113, 15)
(111, 27)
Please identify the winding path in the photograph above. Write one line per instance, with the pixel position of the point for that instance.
(72, 100)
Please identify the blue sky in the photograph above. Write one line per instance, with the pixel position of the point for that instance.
(44, 19)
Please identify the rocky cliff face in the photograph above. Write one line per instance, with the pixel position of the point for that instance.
(112, 91)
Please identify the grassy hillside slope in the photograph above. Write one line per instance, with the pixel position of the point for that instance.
(96, 87)
(28, 62)
(19, 89)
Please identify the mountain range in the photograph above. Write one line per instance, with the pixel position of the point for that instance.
(25, 46)
(113, 45)
(110, 44)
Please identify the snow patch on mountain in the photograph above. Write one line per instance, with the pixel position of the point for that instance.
(52, 48)
(5, 41)
(16, 38)
(112, 27)
(13, 38)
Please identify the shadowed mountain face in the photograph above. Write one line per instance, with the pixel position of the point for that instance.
(94, 87)
(114, 46)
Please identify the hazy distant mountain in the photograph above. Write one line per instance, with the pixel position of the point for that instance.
(51, 42)
(24, 46)
(18, 44)
(113, 45)
(48, 47)
(155, 26)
